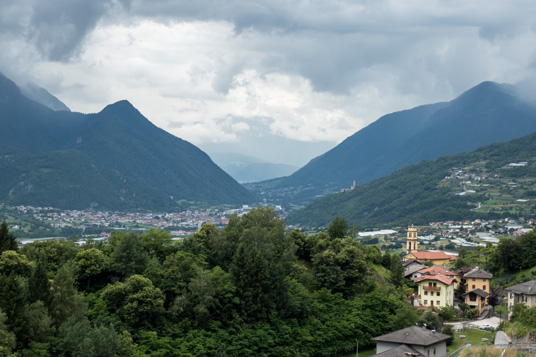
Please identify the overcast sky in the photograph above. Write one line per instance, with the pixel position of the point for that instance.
(221, 70)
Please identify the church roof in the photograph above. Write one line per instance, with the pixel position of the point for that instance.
(433, 255)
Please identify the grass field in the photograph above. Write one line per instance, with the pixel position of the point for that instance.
(472, 335)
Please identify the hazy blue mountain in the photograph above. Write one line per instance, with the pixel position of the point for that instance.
(492, 182)
(118, 138)
(485, 114)
(244, 168)
(42, 96)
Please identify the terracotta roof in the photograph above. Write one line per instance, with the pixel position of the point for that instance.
(401, 350)
(433, 255)
(527, 288)
(438, 270)
(441, 278)
(413, 335)
(478, 273)
(478, 292)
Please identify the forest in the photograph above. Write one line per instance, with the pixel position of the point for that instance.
(252, 288)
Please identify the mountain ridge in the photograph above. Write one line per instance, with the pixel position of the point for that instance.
(487, 113)
(121, 139)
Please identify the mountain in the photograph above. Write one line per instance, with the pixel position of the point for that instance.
(495, 181)
(69, 179)
(245, 168)
(120, 139)
(485, 114)
(42, 96)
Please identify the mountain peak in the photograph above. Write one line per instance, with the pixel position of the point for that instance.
(487, 90)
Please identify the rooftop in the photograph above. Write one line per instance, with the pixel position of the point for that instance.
(478, 273)
(413, 335)
(527, 288)
(432, 255)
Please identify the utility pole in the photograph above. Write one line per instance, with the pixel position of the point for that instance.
(356, 348)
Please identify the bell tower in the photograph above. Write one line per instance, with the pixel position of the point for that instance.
(412, 244)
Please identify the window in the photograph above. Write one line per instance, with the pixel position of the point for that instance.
(438, 303)
(434, 351)
(435, 284)
(425, 302)
(438, 293)
(425, 292)
(473, 287)
(432, 293)
(484, 287)
(474, 279)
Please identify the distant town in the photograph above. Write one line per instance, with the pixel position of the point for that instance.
(448, 235)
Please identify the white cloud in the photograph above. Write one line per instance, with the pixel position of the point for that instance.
(314, 70)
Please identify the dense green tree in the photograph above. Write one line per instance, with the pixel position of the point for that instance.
(8, 341)
(430, 319)
(156, 243)
(178, 270)
(38, 325)
(130, 255)
(136, 301)
(66, 302)
(397, 271)
(89, 264)
(39, 284)
(7, 240)
(338, 228)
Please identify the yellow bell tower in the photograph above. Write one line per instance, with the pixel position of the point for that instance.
(412, 244)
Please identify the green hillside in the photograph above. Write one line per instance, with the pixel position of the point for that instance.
(69, 179)
(481, 184)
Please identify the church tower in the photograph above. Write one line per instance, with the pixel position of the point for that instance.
(411, 243)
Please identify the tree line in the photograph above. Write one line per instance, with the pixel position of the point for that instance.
(251, 288)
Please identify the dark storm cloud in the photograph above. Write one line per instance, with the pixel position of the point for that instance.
(56, 28)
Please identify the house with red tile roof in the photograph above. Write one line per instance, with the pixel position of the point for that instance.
(435, 290)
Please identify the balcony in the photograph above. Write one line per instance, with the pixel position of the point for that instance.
(431, 288)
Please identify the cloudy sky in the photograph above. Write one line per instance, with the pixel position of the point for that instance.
(223, 71)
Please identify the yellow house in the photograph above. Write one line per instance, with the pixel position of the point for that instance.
(477, 279)
(477, 286)
(436, 290)
(437, 258)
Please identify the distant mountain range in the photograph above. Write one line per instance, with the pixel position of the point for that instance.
(495, 181)
(245, 168)
(485, 114)
(128, 158)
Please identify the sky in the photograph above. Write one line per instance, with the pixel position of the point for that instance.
(222, 74)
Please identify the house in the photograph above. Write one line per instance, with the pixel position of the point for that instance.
(524, 293)
(437, 258)
(412, 341)
(435, 290)
(411, 267)
(477, 287)
(439, 270)
(476, 299)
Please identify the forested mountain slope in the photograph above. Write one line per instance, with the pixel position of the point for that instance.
(118, 138)
(497, 180)
(485, 114)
